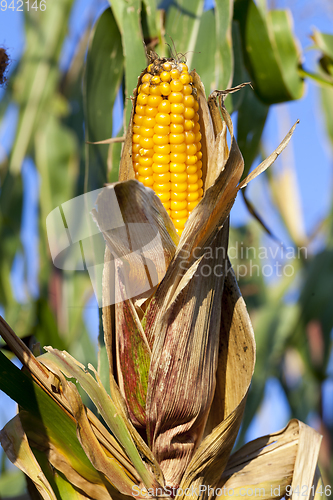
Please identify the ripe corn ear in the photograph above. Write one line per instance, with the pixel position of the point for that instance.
(166, 142)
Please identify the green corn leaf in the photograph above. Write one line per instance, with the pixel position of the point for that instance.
(324, 42)
(182, 27)
(102, 79)
(127, 14)
(271, 53)
(53, 421)
(224, 57)
(37, 81)
(71, 368)
(204, 52)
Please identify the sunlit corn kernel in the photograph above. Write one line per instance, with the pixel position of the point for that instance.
(175, 97)
(178, 177)
(177, 108)
(176, 138)
(177, 168)
(176, 128)
(185, 78)
(150, 67)
(196, 128)
(179, 214)
(189, 101)
(189, 137)
(191, 188)
(179, 223)
(191, 169)
(146, 152)
(145, 161)
(165, 89)
(179, 187)
(167, 66)
(136, 148)
(161, 159)
(146, 132)
(160, 139)
(165, 76)
(140, 110)
(146, 142)
(191, 159)
(162, 129)
(164, 149)
(154, 100)
(149, 122)
(191, 149)
(136, 138)
(176, 86)
(178, 148)
(155, 80)
(178, 157)
(146, 78)
(151, 111)
(162, 119)
(178, 205)
(187, 90)
(160, 169)
(177, 118)
(164, 197)
(192, 196)
(142, 99)
(162, 188)
(136, 166)
(145, 88)
(193, 179)
(145, 171)
(155, 91)
(164, 107)
(166, 205)
(175, 74)
(138, 119)
(189, 113)
(188, 125)
(136, 129)
(192, 204)
(162, 178)
(146, 181)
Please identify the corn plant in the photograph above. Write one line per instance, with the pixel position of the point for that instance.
(159, 415)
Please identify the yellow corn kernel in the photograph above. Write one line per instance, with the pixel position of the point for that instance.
(177, 168)
(166, 205)
(178, 205)
(160, 169)
(166, 147)
(178, 197)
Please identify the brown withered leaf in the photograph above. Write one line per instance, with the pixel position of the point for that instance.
(15, 443)
(143, 248)
(184, 360)
(271, 463)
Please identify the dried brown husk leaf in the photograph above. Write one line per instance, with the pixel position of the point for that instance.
(271, 463)
(16, 446)
(143, 248)
(183, 365)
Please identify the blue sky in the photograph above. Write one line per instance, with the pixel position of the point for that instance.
(310, 151)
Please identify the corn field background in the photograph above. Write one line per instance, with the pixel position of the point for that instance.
(71, 84)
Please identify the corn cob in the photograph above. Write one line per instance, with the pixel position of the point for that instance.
(166, 138)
